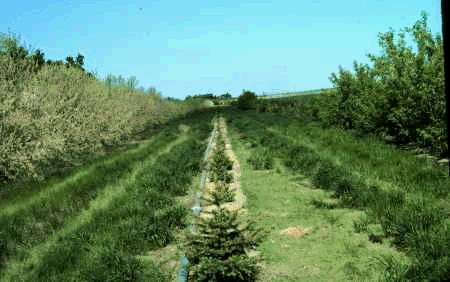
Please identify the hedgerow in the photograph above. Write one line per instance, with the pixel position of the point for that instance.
(56, 115)
(400, 96)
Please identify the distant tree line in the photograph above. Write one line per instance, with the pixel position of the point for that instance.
(36, 59)
(210, 96)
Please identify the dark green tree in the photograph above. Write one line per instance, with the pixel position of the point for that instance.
(217, 251)
(247, 100)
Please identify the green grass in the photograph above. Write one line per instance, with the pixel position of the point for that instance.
(330, 251)
(295, 93)
(132, 210)
(92, 228)
(406, 195)
(28, 221)
(370, 211)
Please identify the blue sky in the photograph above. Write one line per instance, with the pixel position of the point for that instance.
(189, 47)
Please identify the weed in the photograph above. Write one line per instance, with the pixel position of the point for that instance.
(361, 224)
(261, 159)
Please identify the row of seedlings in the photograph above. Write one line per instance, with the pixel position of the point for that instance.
(221, 246)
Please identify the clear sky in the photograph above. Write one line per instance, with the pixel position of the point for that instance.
(188, 47)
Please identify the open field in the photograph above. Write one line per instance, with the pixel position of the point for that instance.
(293, 94)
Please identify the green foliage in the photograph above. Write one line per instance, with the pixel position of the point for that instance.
(247, 100)
(186, 166)
(221, 194)
(29, 226)
(220, 161)
(217, 252)
(400, 96)
(221, 165)
(224, 99)
(305, 107)
(361, 224)
(96, 231)
(404, 194)
(109, 264)
(55, 115)
(261, 159)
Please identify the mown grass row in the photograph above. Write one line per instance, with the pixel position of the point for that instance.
(138, 212)
(25, 223)
(414, 216)
(102, 247)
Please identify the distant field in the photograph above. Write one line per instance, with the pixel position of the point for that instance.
(295, 93)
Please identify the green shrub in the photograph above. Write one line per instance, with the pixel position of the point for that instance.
(221, 164)
(56, 115)
(221, 194)
(302, 158)
(247, 100)
(304, 107)
(221, 176)
(261, 159)
(361, 224)
(235, 268)
(217, 252)
(400, 96)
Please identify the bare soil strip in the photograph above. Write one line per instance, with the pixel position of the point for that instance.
(239, 198)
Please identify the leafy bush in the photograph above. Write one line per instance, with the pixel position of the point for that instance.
(247, 100)
(400, 96)
(301, 158)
